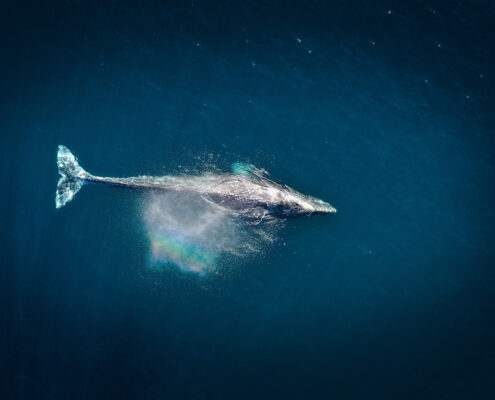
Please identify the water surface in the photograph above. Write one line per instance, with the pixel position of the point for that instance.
(386, 115)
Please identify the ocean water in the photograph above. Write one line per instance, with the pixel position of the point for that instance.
(383, 109)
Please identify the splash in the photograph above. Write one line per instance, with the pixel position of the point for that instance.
(187, 232)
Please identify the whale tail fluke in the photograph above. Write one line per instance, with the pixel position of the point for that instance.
(72, 176)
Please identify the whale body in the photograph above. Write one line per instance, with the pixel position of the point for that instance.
(246, 191)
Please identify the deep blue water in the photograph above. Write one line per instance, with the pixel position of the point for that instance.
(388, 116)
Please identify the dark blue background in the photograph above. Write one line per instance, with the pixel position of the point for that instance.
(389, 117)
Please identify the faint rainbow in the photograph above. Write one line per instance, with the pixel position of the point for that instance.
(177, 250)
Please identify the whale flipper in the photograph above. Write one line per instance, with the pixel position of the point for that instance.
(246, 169)
(72, 176)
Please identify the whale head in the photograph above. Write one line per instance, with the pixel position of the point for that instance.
(259, 197)
(297, 204)
(318, 206)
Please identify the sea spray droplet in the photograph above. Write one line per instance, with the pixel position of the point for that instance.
(186, 231)
(196, 236)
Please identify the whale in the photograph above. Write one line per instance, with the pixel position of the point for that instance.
(246, 191)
